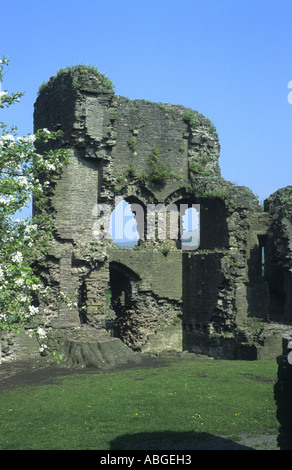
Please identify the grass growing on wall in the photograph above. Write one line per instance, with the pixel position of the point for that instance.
(183, 401)
(79, 71)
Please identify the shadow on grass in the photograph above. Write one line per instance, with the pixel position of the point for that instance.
(169, 440)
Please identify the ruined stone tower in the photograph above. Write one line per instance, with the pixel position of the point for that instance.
(229, 298)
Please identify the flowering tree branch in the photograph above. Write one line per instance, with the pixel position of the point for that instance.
(22, 240)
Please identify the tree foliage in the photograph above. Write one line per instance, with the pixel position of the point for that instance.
(23, 241)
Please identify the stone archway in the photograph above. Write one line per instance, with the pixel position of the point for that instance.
(141, 315)
(124, 298)
(127, 222)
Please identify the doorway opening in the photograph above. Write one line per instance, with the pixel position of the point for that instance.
(124, 296)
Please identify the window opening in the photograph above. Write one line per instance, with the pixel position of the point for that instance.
(190, 229)
(262, 245)
(123, 226)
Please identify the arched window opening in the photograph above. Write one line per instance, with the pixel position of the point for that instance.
(188, 224)
(123, 225)
(190, 229)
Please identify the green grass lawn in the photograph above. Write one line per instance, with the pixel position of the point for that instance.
(184, 400)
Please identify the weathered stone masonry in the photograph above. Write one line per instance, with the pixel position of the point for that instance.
(231, 298)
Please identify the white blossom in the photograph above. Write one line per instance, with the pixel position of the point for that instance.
(22, 139)
(42, 348)
(17, 257)
(51, 166)
(5, 201)
(33, 310)
(35, 287)
(30, 228)
(22, 180)
(4, 139)
(41, 333)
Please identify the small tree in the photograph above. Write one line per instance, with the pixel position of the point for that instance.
(158, 172)
(23, 242)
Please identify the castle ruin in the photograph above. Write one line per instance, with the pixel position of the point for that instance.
(230, 298)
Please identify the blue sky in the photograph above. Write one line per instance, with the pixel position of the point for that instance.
(228, 59)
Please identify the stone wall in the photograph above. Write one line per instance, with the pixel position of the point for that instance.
(279, 254)
(231, 297)
(155, 300)
(283, 393)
